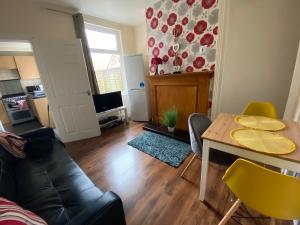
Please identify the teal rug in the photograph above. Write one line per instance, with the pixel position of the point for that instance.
(166, 149)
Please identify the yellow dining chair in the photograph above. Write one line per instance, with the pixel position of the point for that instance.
(268, 192)
(261, 109)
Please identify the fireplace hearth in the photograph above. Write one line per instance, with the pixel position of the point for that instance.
(178, 134)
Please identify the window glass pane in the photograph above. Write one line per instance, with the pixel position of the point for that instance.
(108, 72)
(100, 40)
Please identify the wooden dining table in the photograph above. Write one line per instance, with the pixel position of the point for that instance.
(217, 137)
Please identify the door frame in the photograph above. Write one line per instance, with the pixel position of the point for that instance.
(224, 10)
(292, 110)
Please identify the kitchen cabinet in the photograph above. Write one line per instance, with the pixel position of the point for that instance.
(3, 114)
(27, 67)
(40, 109)
(7, 62)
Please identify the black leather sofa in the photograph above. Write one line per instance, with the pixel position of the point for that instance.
(55, 188)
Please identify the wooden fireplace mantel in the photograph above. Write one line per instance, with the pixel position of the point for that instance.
(187, 92)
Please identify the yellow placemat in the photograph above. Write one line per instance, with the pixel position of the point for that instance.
(260, 123)
(263, 141)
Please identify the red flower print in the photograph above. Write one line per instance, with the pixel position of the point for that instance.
(200, 27)
(184, 55)
(207, 39)
(190, 37)
(212, 68)
(161, 45)
(204, 70)
(156, 61)
(154, 23)
(165, 58)
(215, 30)
(153, 68)
(155, 51)
(184, 21)
(149, 13)
(199, 62)
(161, 72)
(177, 31)
(164, 28)
(172, 19)
(177, 61)
(206, 4)
(175, 1)
(151, 42)
(171, 52)
(159, 14)
(189, 69)
(190, 2)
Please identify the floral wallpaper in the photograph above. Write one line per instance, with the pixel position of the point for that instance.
(183, 34)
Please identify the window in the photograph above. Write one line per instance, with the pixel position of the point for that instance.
(106, 55)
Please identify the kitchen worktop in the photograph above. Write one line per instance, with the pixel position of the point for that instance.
(36, 97)
(32, 97)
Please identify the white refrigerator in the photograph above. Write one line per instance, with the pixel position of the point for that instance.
(137, 88)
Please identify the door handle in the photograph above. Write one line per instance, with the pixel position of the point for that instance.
(88, 92)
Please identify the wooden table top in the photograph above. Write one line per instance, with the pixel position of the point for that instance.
(219, 131)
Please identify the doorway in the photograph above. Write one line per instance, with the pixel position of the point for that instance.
(24, 105)
(62, 71)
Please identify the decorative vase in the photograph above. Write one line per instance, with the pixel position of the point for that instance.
(156, 70)
(171, 129)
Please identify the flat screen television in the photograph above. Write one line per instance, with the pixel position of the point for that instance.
(104, 102)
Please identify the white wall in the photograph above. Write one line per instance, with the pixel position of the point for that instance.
(21, 19)
(141, 46)
(261, 42)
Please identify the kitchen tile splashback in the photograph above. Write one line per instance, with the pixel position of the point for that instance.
(10, 87)
(31, 82)
(9, 74)
(16, 86)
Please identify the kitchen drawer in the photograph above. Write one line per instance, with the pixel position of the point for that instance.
(40, 109)
(3, 114)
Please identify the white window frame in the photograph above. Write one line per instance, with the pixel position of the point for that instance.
(117, 33)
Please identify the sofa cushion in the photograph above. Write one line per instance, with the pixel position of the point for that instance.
(37, 147)
(54, 187)
(11, 213)
(13, 144)
(7, 175)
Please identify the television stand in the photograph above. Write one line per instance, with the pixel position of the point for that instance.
(112, 112)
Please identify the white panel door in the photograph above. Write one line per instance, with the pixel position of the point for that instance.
(63, 73)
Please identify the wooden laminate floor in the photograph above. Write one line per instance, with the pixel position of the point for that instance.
(153, 193)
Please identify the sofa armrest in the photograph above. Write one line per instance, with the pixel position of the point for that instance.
(108, 210)
(40, 132)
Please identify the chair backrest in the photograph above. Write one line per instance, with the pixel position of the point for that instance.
(266, 191)
(261, 109)
(198, 123)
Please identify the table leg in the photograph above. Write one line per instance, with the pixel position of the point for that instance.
(126, 115)
(204, 169)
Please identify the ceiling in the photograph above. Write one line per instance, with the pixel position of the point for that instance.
(130, 12)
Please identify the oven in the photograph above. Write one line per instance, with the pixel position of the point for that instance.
(15, 112)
